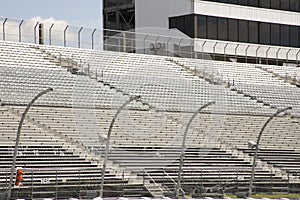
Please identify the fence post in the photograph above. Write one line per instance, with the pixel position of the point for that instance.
(20, 31)
(277, 52)
(65, 35)
(214, 50)
(167, 50)
(93, 33)
(41, 34)
(34, 33)
(50, 34)
(225, 51)
(79, 36)
(202, 48)
(4, 22)
(267, 55)
(247, 53)
(256, 54)
(145, 43)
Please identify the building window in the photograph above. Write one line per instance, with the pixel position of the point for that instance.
(285, 4)
(295, 5)
(233, 30)
(284, 35)
(212, 28)
(294, 36)
(243, 2)
(243, 31)
(222, 29)
(189, 26)
(201, 27)
(275, 34)
(275, 4)
(264, 33)
(253, 3)
(253, 32)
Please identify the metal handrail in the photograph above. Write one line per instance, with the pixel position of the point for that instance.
(155, 183)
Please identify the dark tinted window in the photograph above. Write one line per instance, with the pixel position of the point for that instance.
(264, 3)
(233, 1)
(294, 36)
(233, 30)
(189, 25)
(253, 3)
(284, 35)
(253, 32)
(201, 28)
(294, 5)
(222, 29)
(243, 2)
(275, 34)
(264, 33)
(212, 28)
(275, 4)
(243, 31)
(285, 4)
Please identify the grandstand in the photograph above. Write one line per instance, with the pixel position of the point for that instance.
(61, 149)
(62, 141)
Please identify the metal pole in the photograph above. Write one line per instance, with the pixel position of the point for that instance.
(235, 52)
(108, 140)
(168, 45)
(247, 53)
(93, 33)
(287, 55)
(214, 50)
(256, 54)
(145, 43)
(257, 146)
(18, 138)
(267, 55)
(277, 52)
(225, 51)
(183, 147)
(202, 48)
(50, 32)
(79, 36)
(4, 22)
(35, 27)
(65, 35)
(20, 31)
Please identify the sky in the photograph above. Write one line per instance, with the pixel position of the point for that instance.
(86, 13)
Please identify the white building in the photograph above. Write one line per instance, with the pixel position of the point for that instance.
(270, 27)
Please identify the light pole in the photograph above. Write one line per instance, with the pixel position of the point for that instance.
(257, 146)
(183, 147)
(18, 138)
(108, 140)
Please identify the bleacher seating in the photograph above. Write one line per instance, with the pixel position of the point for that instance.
(145, 141)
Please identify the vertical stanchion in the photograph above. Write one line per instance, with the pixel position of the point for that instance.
(65, 35)
(183, 147)
(93, 33)
(3, 28)
(34, 33)
(50, 34)
(20, 31)
(257, 146)
(13, 167)
(79, 38)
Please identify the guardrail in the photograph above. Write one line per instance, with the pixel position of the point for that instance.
(164, 42)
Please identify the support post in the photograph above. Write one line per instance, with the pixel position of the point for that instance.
(18, 139)
(79, 44)
(65, 35)
(3, 27)
(50, 34)
(34, 33)
(108, 140)
(93, 33)
(257, 146)
(183, 147)
(20, 31)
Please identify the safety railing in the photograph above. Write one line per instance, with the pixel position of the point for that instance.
(163, 42)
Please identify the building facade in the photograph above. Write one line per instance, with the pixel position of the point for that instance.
(259, 22)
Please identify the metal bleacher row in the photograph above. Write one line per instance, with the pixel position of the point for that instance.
(146, 142)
